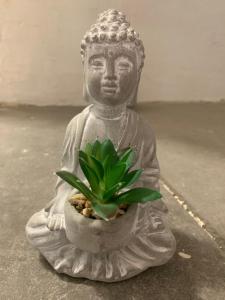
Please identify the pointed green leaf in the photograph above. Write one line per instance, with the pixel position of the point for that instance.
(114, 189)
(76, 183)
(120, 152)
(131, 177)
(88, 148)
(107, 148)
(106, 163)
(96, 150)
(83, 155)
(127, 157)
(90, 175)
(137, 195)
(93, 163)
(105, 211)
(109, 155)
(115, 175)
(109, 161)
(97, 165)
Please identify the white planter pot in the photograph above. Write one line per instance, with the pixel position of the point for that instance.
(98, 235)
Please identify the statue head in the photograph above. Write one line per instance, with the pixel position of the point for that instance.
(113, 57)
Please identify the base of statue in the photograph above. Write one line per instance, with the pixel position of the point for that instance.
(152, 244)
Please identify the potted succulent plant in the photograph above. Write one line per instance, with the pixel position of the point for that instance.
(99, 215)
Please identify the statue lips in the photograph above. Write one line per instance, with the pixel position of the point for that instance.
(109, 88)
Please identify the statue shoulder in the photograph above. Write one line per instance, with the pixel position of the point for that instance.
(146, 129)
(141, 121)
(79, 118)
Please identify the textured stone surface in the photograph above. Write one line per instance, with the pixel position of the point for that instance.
(113, 57)
(27, 162)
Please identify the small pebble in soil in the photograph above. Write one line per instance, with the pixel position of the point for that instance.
(87, 212)
(79, 196)
(87, 204)
(78, 208)
(80, 202)
(83, 206)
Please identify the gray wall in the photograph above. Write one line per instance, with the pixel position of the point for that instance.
(39, 48)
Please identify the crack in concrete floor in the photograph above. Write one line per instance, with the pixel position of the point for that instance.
(184, 204)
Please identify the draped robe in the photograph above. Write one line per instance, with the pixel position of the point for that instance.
(136, 134)
(151, 242)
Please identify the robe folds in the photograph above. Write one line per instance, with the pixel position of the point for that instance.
(136, 134)
(145, 242)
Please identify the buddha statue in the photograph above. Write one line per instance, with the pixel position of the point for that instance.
(113, 57)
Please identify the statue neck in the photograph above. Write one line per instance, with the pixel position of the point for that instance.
(103, 111)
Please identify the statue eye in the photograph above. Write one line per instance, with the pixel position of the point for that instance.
(97, 63)
(123, 64)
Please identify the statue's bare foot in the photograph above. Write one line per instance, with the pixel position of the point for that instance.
(56, 222)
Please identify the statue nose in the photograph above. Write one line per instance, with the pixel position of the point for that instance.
(110, 71)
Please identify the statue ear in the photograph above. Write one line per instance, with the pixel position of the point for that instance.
(86, 96)
(133, 97)
(85, 93)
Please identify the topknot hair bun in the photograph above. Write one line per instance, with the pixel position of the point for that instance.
(112, 26)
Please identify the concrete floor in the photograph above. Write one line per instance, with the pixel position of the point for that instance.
(191, 152)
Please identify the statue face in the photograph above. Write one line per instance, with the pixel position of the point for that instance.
(111, 72)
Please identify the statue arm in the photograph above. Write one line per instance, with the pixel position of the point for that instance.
(63, 189)
(151, 170)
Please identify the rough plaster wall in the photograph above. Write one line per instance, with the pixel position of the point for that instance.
(39, 48)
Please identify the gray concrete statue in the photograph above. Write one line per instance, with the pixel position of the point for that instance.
(113, 57)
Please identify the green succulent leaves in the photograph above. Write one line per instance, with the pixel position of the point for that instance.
(108, 172)
(76, 183)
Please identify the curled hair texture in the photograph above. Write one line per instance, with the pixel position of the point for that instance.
(111, 27)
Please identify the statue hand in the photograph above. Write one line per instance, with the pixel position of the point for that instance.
(56, 222)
